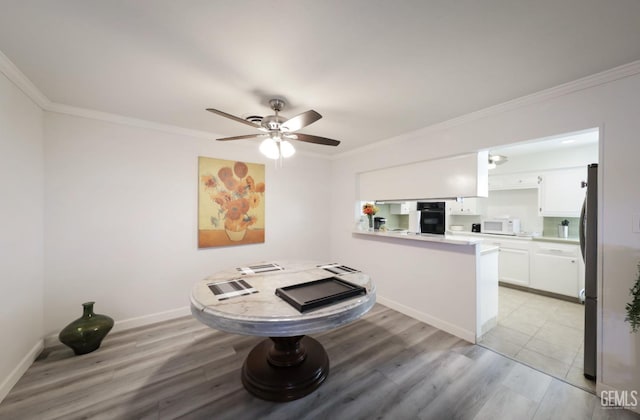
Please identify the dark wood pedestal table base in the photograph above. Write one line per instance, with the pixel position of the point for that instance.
(289, 364)
(285, 368)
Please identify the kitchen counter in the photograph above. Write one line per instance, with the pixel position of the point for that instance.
(470, 235)
(425, 237)
(462, 266)
(573, 241)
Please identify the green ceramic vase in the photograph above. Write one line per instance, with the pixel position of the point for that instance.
(85, 334)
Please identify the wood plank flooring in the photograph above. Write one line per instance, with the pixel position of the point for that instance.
(384, 366)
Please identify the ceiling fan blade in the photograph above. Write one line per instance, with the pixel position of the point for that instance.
(300, 121)
(246, 136)
(233, 117)
(312, 139)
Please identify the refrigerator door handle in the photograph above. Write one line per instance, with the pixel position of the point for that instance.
(582, 227)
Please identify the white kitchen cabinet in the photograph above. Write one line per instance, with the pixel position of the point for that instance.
(557, 268)
(458, 176)
(561, 193)
(402, 208)
(513, 263)
(468, 206)
(513, 181)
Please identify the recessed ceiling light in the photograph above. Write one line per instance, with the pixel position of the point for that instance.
(567, 141)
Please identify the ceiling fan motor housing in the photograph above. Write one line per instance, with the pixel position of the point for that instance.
(273, 122)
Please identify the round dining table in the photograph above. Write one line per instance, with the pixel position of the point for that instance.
(249, 300)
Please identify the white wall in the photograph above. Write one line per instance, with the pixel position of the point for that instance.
(21, 237)
(121, 218)
(611, 105)
(522, 204)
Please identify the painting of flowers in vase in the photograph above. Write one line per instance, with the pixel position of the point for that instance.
(230, 202)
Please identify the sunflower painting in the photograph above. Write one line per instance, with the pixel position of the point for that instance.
(230, 202)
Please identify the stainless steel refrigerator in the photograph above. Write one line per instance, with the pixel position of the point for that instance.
(589, 248)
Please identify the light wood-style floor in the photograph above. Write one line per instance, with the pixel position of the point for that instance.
(385, 365)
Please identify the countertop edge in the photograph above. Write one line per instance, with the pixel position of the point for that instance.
(487, 249)
(571, 241)
(443, 239)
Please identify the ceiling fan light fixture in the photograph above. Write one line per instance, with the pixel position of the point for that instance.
(287, 149)
(269, 148)
(276, 128)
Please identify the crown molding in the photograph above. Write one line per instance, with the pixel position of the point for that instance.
(23, 83)
(123, 120)
(583, 83)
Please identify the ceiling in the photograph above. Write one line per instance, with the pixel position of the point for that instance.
(373, 69)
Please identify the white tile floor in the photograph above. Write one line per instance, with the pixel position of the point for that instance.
(542, 332)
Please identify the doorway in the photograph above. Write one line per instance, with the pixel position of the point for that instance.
(541, 322)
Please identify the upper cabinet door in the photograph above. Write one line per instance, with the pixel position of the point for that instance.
(513, 181)
(468, 207)
(561, 193)
(402, 208)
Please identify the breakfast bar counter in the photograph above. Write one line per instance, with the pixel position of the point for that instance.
(449, 281)
(424, 237)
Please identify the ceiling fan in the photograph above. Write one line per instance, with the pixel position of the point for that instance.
(278, 130)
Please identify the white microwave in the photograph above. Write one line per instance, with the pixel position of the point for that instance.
(501, 226)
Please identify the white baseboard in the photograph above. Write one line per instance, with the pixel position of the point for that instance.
(466, 335)
(20, 369)
(127, 324)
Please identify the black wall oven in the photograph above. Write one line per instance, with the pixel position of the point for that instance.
(432, 217)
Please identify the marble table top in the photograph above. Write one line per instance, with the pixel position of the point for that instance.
(258, 311)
